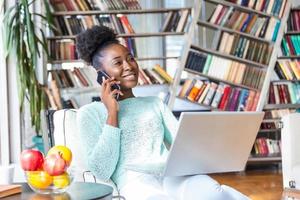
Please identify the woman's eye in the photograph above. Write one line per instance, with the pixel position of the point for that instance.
(117, 63)
(131, 58)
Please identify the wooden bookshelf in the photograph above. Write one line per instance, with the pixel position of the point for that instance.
(228, 56)
(281, 106)
(220, 80)
(126, 12)
(243, 8)
(162, 34)
(222, 28)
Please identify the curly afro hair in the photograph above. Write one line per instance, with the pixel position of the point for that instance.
(90, 42)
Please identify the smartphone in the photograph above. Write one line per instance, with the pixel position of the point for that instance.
(102, 74)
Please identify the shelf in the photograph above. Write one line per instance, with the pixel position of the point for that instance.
(57, 64)
(265, 158)
(97, 88)
(241, 7)
(295, 9)
(206, 106)
(228, 56)
(292, 33)
(269, 130)
(289, 57)
(99, 12)
(281, 106)
(80, 89)
(271, 120)
(138, 59)
(72, 37)
(233, 31)
(284, 81)
(220, 80)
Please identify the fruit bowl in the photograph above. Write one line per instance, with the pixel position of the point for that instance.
(42, 183)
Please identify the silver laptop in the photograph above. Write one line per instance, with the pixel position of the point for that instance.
(212, 142)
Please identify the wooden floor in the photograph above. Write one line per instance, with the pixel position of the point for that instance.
(258, 185)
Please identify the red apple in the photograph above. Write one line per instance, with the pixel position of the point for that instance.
(55, 165)
(31, 160)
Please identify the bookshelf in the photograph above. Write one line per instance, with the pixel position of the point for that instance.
(70, 18)
(283, 89)
(253, 67)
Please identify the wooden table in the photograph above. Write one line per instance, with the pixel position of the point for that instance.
(77, 190)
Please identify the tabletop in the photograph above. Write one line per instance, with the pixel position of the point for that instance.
(77, 190)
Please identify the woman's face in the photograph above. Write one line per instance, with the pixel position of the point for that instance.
(118, 62)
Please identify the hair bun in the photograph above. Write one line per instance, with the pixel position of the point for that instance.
(88, 41)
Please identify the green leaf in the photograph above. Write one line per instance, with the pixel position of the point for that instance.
(49, 15)
(22, 41)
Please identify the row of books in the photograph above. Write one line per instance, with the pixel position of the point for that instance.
(290, 45)
(62, 49)
(263, 27)
(87, 76)
(175, 21)
(225, 69)
(265, 146)
(66, 50)
(219, 95)
(243, 47)
(76, 77)
(155, 75)
(273, 7)
(284, 93)
(278, 113)
(268, 125)
(294, 21)
(73, 25)
(70, 103)
(55, 101)
(288, 69)
(85, 5)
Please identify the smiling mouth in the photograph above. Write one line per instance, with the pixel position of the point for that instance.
(128, 75)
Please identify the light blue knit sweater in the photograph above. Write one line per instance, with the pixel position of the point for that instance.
(144, 123)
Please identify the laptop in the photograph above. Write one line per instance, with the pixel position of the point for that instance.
(209, 142)
(212, 142)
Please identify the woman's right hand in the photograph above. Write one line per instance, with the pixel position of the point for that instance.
(108, 96)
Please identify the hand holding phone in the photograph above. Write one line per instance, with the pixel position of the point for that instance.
(103, 76)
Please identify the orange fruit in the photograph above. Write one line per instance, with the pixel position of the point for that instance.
(39, 179)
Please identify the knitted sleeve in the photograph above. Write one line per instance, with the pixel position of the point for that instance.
(169, 121)
(101, 142)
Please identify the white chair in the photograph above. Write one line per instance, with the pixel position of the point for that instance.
(290, 138)
(66, 133)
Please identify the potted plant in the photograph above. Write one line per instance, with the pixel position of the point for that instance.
(23, 41)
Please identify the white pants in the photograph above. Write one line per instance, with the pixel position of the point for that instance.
(197, 187)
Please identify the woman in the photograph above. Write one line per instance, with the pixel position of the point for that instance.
(125, 136)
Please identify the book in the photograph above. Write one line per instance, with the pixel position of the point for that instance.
(183, 19)
(157, 68)
(7, 190)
